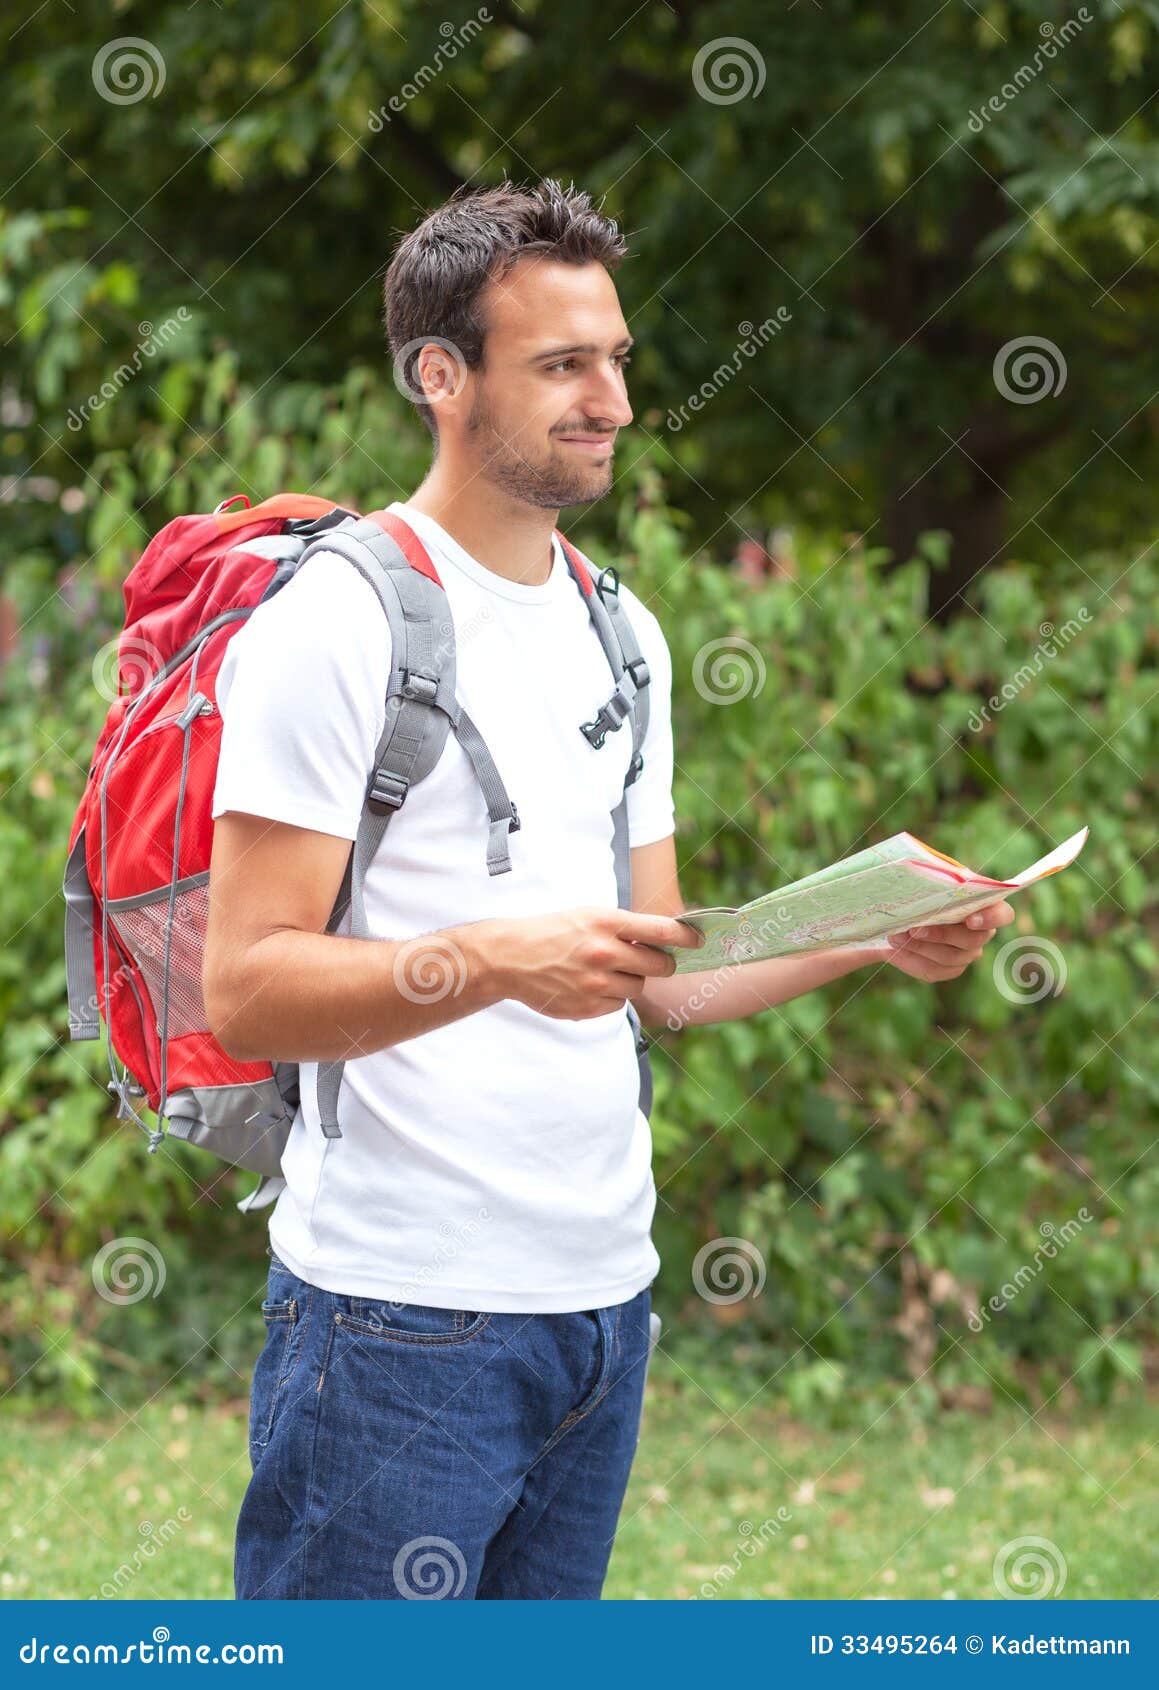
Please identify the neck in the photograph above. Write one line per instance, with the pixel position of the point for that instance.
(505, 535)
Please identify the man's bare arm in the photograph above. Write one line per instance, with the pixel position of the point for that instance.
(278, 987)
(730, 993)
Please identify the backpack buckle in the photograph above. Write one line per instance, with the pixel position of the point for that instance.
(643, 678)
(634, 768)
(597, 730)
(423, 687)
(607, 719)
(387, 791)
(514, 824)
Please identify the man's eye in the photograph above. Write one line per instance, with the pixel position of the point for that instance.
(563, 364)
(623, 359)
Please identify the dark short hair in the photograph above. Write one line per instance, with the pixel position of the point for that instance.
(433, 282)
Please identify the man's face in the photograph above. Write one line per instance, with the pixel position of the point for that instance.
(546, 403)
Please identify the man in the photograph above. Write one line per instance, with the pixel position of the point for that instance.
(448, 1400)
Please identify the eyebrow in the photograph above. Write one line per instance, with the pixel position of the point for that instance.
(588, 347)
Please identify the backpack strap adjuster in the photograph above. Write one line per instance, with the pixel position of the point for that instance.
(387, 791)
(642, 679)
(423, 687)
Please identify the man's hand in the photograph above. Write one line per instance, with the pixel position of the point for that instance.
(575, 964)
(942, 953)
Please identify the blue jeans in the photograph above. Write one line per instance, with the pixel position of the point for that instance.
(403, 1451)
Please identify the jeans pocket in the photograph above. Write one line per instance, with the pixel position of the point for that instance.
(273, 1370)
(409, 1323)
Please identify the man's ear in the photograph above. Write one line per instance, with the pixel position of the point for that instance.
(441, 372)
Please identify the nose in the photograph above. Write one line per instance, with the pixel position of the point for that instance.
(607, 398)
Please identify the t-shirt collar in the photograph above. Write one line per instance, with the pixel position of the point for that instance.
(437, 540)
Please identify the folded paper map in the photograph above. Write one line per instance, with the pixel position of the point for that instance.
(883, 889)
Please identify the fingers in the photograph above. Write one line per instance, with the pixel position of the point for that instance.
(634, 960)
(958, 936)
(946, 956)
(994, 915)
(644, 929)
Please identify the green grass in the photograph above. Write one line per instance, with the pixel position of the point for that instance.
(895, 1506)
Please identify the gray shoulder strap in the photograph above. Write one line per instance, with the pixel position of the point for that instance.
(420, 705)
(631, 698)
(622, 650)
(420, 710)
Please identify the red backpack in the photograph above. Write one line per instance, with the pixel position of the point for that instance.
(136, 881)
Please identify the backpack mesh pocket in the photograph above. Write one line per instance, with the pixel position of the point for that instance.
(144, 928)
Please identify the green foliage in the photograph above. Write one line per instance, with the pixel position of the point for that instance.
(189, 299)
(897, 1151)
(892, 1149)
(861, 179)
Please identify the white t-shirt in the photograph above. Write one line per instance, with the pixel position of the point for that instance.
(501, 1162)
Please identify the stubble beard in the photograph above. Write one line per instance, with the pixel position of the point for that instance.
(546, 485)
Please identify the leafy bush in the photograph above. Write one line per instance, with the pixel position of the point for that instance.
(895, 1152)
